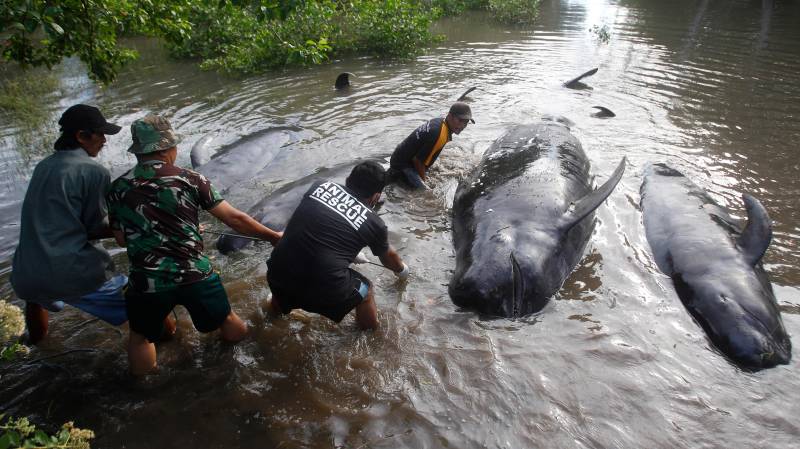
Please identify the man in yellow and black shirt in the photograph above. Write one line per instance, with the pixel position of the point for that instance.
(415, 155)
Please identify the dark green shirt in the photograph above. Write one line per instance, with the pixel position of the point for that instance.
(63, 205)
(157, 205)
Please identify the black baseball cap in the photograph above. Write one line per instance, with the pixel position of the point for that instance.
(461, 110)
(81, 117)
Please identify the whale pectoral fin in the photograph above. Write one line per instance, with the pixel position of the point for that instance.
(575, 80)
(464, 95)
(757, 234)
(592, 201)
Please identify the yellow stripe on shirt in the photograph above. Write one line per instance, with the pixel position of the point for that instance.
(437, 147)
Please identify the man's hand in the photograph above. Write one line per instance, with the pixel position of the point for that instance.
(402, 274)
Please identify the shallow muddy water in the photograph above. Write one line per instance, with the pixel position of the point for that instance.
(615, 360)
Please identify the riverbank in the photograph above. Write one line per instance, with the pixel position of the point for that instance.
(230, 36)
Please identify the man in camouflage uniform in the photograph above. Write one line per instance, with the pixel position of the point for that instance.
(153, 211)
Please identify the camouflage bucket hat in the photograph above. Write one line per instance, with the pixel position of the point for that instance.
(152, 133)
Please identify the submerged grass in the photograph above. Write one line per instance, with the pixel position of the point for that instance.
(25, 106)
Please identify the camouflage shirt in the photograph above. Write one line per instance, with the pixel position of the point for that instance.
(156, 205)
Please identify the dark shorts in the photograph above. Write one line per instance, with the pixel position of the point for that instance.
(205, 300)
(335, 308)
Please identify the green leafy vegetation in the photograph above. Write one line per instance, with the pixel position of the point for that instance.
(24, 104)
(514, 11)
(20, 433)
(235, 36)
(40, 32)
(12, 322)
(601, 33)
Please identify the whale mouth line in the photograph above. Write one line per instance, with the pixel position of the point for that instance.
(517, 286)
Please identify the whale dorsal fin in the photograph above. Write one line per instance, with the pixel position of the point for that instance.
(757, 234)
(592, 201)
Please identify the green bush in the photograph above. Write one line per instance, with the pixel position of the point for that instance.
(514, 11)
(389, 27)
(456, 7)
(20, 433)
(41, 33)
(301, 38)
(238, 36)
(310, 33)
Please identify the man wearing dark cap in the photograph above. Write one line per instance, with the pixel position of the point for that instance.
(154, 211)
(64, 209)
(415, 155)
(309, 268)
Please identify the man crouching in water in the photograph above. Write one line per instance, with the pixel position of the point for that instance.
(153, 210)
(309, 268)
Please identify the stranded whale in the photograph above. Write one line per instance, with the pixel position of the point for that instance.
(715, 265)
(522, 219)
(275, 210)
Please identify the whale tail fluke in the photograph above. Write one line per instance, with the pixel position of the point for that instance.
(592, 201)
(757, 234)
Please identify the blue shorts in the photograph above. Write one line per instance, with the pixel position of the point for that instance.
(406, 176)
(413, 179)
(106, 303)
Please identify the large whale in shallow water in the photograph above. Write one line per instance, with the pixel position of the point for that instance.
(522, 219)
(715, 265)
(275, 210)
(244, 159)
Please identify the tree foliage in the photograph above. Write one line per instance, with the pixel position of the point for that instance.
(240, 36)
(38, 32)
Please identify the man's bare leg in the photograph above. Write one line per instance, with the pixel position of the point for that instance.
(233, 328)
(169, 329)
(141, 354)
(36, 318)
(367, 312)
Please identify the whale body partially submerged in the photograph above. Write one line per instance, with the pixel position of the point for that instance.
(522, 220)
(275, 210)
(243, 159)
(715, 264)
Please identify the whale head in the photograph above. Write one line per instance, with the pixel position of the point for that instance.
(740, 315)
(506, 277)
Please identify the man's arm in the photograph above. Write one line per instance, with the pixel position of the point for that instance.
(243, 223)
(119, 236)
(419, 166)
(391, 260)
(102, 232)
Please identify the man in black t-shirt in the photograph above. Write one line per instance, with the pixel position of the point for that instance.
(309, 268)
(415, 155)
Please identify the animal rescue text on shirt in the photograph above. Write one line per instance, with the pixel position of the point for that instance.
(336, 198)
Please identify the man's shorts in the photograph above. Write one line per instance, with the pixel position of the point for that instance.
(336, 308)
(205, 300)
(407, 176)
(106, 303)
